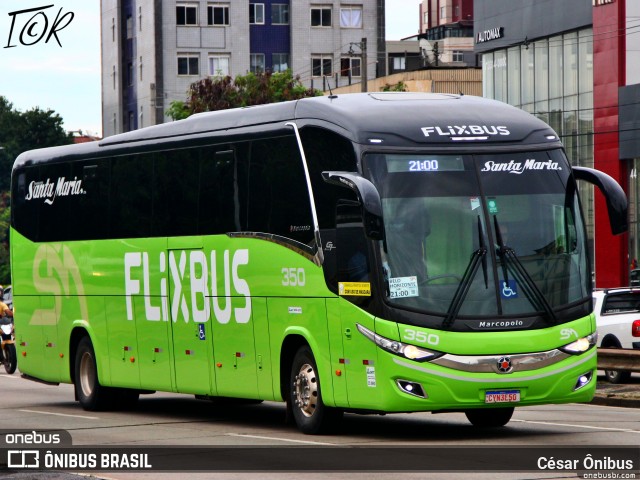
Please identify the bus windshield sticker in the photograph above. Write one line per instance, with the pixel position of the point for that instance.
(403, 287)
(509, 289)
(355, 289)
(475, 203)
(493, 205)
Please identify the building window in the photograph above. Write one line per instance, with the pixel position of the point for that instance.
(257, 62)
(218, 15)
(350, 67)
(140, 63)
(256, 13)
(187, 14)
(113, 74)
(129, 74)
(321, 66)
(458, 56)
(140, 119)
(139, 19)
(443, 13)
(399, 63)
(188, 64)
(280, 62)
(279, 14)
(129, 27)
(351, 17)
(321, 17)
(113, 29)
(219, 65)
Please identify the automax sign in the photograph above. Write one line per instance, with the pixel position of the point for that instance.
(490, 34)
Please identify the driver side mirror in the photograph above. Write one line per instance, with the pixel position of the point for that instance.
(613, 193)
(368, 196)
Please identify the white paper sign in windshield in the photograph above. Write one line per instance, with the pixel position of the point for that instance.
(403, 287)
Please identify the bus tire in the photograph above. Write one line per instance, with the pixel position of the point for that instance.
(489, 417)
(10, 358)
(91, 395)
(617, 376)
(311, 415)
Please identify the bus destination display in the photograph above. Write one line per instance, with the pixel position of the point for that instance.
(422, 163)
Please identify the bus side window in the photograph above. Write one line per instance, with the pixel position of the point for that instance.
(222, 198)
(25, 212)
(130, 196)
(56, 216)
(92, 207)
(175, 192)
(278, 195)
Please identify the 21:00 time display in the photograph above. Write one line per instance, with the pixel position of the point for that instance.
(423, 165)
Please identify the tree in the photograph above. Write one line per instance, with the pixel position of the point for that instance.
(221, 93)
(22, 131)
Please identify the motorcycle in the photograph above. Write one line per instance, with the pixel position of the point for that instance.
(9, 356)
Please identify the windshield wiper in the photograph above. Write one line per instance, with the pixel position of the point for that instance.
(532, 292)
(477, 257)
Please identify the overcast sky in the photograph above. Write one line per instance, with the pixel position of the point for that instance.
(65, 77)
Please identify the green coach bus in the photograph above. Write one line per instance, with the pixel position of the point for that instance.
(372, 253)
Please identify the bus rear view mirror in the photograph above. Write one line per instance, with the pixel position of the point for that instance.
(613, 193)
(368, 197)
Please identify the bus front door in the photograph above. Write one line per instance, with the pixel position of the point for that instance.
(190, 323)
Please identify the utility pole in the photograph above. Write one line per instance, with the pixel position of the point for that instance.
(363, 62)
(365, 77)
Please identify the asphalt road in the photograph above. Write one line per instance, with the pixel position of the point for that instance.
(171, 420)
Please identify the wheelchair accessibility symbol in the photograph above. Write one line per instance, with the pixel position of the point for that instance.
(201, 333)
(508, 289)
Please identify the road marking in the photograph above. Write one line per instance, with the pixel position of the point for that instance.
(626, 430)
(58, 414)
(278, 439)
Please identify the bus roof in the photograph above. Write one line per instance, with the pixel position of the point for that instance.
(383, 118)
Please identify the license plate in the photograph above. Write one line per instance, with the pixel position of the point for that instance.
(502, 396)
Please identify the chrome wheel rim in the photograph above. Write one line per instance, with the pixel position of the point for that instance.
(87, 374)
(305, 386)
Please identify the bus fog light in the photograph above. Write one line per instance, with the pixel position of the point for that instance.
(583, 380)
(412, 388)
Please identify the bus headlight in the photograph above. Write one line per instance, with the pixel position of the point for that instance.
(581, 345)
(411, 352)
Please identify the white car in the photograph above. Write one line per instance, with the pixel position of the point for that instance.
(618, 322)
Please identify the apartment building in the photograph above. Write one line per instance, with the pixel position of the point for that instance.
(152, 50)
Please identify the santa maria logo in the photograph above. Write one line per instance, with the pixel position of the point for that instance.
(520, 167)
(49, 191)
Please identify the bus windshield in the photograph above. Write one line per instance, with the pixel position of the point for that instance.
(480, 235)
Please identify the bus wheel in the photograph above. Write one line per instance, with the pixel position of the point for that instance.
(489, 417)
(89, 392)
(310, 414)
(10, 358)
(617, 376)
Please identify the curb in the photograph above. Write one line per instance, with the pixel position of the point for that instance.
(613, 400)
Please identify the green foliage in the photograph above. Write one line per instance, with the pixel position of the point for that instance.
(221, 93)
(19, 132)
(398, 87)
